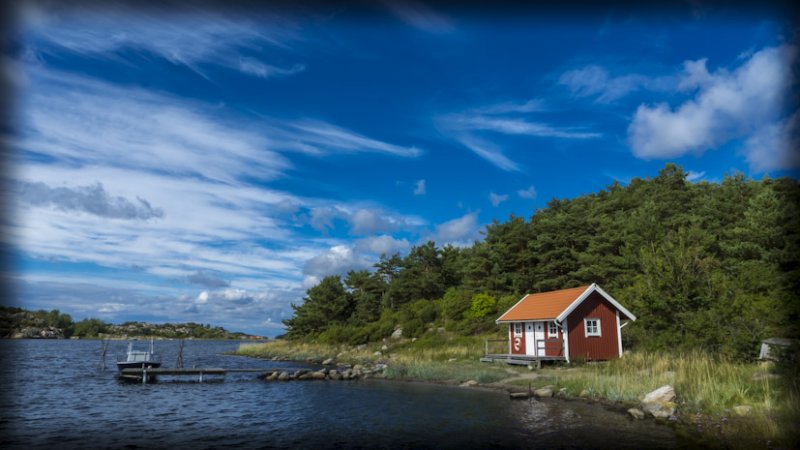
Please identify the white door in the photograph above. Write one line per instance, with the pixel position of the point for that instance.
(539, 336)
(530, 348)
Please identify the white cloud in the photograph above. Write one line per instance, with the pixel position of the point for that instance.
(529, 106)
(381, 244)
(337, 260)
(461, 231)
(488, 152)
(744, 103)
(419, 15)
(190, 39)
(518, 126)
(496, 199)
(202, 298)
(775, 145)
(595, 81)
(469, 130)
(419, 187)
(691, 175)
(529, 193)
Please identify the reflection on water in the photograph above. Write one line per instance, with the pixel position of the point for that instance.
(54, 392)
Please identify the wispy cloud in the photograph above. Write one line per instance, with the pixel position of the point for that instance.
(419, 15)
(496, 199)
(461, 231)
(191, 39)
(91, 199)
(419, 187)
(529, 193)
(595, 81)
(487, 151)
(473, 129)
(748, 102)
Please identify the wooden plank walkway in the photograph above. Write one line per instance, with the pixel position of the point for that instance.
(144, 373)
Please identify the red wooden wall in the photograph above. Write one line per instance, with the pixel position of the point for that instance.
(593, 347)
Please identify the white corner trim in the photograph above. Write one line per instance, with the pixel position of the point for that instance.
(509, 309)
(586, 293)
(565, 333)
(619, 335)
(575, 303)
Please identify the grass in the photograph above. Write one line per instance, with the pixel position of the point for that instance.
(707, 387)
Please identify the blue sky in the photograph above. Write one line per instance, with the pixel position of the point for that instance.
(210, 165)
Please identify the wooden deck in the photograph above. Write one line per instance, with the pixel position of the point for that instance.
(511, 358)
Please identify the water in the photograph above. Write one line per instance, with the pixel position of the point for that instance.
(54, 393)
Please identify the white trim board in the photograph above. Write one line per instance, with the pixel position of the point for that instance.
(592, 288)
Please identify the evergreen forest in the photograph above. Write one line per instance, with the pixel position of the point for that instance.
(703, 265)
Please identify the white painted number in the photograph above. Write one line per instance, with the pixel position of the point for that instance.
(517, 344)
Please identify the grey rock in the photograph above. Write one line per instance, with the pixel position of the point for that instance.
(543, 392)
(377, 354)
(384, 348)
(469, 383)
(659, 403)
(518, 395)
(397, 334)
(283, 376)
(318, 375)
(636, 413)
(327, 362)
(305, 376)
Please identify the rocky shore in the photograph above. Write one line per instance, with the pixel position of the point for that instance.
(342, 372)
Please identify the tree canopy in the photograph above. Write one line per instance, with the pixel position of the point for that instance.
(702, 265)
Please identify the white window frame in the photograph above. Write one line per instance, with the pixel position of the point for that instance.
(552, 329)
(518, 327)
(586, 332)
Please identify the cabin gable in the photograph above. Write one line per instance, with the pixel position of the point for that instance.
(593, 329)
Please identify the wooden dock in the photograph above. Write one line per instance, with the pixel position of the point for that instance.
(144, 374)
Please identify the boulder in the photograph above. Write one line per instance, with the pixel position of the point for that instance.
(636, 413)
(346, 374)
(283, 376)
(518, 395)
(469, 383)
(543, 392)
(659, 403)
(334, 375)
(305, 376)
(327, 362)
(561, 392)
(742, 410)
(384, 348)
(397, 334)
(377, 354)
(380, 367)
(318, 375)
(584, 393)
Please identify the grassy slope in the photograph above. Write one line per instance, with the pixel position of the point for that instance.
(707, 388)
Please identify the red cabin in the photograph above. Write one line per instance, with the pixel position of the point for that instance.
(583, 322)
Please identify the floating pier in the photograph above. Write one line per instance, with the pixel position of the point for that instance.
(148, 373)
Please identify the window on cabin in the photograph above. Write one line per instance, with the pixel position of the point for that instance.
(517, 329)
(552, 330)
(591, 327)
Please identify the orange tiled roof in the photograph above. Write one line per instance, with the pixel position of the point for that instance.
(544, 305)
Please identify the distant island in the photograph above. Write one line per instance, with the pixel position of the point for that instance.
(18, 323)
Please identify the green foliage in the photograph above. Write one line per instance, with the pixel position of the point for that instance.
(703, 265)
(482, 306)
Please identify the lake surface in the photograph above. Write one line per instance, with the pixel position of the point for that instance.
(56, 395)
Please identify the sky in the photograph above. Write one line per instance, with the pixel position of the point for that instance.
(210, 165)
